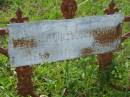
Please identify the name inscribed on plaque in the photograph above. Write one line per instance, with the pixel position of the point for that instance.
(55, 40)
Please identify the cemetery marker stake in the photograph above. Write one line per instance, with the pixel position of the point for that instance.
(4, 51)
(106, 59)
(24, 74)
(68, 9)
(3, 32)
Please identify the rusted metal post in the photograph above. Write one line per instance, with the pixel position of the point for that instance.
(127, 19)
(4, 51)
(68, 9)
(125, 36)
(112, 8)
(19, 17)
(3, 32)
(24, 74)
(106, 59)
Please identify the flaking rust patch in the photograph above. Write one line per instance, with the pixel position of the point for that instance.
(24, 43)
(107, 35)
(86, 52)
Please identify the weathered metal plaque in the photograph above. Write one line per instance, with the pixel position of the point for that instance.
(54, 40)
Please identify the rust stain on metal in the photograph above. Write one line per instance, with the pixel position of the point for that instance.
(68, 8)
(23, 43)
(103, 37)
(86, 52)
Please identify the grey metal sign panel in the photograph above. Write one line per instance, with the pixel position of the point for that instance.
(54, 40)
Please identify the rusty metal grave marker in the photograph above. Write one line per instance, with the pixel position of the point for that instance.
(47, 41)
(105, 59)
(24, 73)
(34, 43)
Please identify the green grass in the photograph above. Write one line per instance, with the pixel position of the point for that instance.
(80, 77)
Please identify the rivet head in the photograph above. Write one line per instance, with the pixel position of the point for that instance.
(44, 55)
